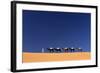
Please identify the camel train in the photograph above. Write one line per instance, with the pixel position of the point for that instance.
(64, 50)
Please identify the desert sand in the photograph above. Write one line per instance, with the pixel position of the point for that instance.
(46, 57)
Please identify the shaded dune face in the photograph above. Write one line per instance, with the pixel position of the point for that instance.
(49, 57)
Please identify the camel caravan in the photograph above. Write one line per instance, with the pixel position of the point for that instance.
(54, 50)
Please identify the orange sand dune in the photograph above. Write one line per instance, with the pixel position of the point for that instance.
(44, 57)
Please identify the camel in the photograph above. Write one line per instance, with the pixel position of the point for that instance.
(72, 49)
(51, 49)
(79, 49)
(57, 49)
(65, 49)
(69, 49)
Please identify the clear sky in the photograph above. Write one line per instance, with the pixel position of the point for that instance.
(44, 29)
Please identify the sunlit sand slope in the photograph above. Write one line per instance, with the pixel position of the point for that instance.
(45, 57)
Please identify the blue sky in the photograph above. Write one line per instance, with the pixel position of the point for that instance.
(43, 29)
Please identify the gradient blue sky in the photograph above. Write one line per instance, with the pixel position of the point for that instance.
(43, 29)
